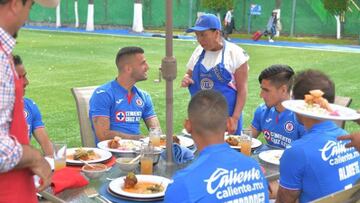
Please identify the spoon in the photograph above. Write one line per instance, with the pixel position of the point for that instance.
(134, 159)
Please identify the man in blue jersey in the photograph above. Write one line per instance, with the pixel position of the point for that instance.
(117, 107)
(32, 113)
(220, 174)
(317, 164)
(279, 125)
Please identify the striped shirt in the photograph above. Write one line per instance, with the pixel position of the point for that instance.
(10, 148)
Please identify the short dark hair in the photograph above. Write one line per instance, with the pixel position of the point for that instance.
(278, 74)
(126, 51)
(5, 1)
(17, 59)
(313, 79)
(208, 111)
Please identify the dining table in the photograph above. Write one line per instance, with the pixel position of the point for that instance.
(100, 185)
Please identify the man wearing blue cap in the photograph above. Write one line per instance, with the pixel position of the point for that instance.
(219, 65)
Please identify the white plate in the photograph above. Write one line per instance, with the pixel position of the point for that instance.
(299, 106)
(271, 156)
(117, 185)
(129, 146)
(184, 141)
(255, 143)
(104, 155)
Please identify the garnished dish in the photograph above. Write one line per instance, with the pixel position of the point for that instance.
(119, 145)
(234, 142)
(83, 154)
(315, 106)
(76, 156)
(139, 187)
(317, 103)
(132, 185)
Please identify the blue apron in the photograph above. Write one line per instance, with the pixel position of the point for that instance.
(217, 78)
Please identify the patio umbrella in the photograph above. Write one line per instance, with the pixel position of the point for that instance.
(168, 69)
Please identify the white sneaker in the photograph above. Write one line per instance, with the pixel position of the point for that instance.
(271, 40)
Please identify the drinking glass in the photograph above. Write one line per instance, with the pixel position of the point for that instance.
(245, 140)
(146, 159)
(154, 136)
(59, 155)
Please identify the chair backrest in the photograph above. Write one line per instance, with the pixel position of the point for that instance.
(82, 96)
(351, 195)
(342, 101)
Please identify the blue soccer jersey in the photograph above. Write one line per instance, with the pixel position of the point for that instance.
(279, 129)
(32, 116)
(125, 112)
(219, 174)
(317, 164)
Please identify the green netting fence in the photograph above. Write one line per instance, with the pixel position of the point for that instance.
(310, 18)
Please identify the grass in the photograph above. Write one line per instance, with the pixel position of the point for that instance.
(58, 61)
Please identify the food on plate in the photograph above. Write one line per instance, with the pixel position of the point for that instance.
(232, 141)
(83, 154)
(131, 184)
(163, 140)
(316, 102)
(130, 180)
(114, 143)
(315, 97)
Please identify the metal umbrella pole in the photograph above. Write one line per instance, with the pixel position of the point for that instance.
(168, 69)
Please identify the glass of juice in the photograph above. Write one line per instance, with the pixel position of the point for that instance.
(154, 136)
(146, 159)
(245, 142)
(59, 155)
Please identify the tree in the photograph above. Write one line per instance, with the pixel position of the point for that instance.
(338, 9)
(217, 5)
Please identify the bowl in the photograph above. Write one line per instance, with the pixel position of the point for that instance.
(94, 171)
(125, 165)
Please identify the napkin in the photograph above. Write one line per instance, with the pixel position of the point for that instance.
(67, 178)
(180, 154)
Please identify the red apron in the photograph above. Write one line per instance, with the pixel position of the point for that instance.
(17, 186)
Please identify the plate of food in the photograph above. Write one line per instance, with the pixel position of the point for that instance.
(181, 140)
(315, 106)
(75, 156)
(119, 145)
(271, 156)
(233, 141)
(139, 186)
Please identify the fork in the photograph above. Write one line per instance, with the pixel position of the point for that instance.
(92, 193)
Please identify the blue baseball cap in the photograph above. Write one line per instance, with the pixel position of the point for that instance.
(206, 22)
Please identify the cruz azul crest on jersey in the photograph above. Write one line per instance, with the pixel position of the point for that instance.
(120, 116)
(289, 126)
(26, 114)
(206, 84)
(267, 135)
(139, 102)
